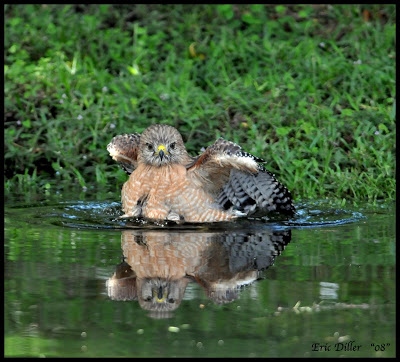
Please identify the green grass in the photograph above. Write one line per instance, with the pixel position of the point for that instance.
(311, 89)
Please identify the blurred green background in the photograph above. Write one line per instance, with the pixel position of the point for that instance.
(309, 88)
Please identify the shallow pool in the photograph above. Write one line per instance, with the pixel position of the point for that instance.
(81, 282)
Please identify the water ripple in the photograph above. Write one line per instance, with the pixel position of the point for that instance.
(106, 215)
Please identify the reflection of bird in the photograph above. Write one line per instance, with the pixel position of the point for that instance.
(159, 265)
(166, 183)
(157, 294)
(236, 260)
(163, 263)
(122, 285)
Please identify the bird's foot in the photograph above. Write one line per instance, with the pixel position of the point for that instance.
(173, 216)
(135, 212)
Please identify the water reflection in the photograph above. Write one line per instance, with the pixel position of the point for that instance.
(158, 265)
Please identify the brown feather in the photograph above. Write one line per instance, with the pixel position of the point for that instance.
(222, 183)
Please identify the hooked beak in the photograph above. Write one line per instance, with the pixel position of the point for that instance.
(161, 151)
(160, 296)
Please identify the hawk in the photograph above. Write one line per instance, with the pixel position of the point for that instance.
(166, 183)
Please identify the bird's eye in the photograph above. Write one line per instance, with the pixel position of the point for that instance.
(172, 146)
(149, 146)
(171, 300)
(148, 299)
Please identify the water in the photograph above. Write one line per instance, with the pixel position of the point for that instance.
(81, 282)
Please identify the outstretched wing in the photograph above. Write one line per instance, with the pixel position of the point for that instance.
(212, 168)
(256, 194)
(124, 149)
(236, 178)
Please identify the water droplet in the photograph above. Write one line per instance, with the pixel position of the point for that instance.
(173, 329)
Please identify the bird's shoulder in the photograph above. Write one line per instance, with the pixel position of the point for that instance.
(124, 149)
(223, 153)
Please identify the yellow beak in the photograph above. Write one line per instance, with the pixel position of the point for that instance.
(160, 294)
(161, 148)
(161, 151)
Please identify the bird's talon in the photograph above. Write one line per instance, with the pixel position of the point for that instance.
(173, 216)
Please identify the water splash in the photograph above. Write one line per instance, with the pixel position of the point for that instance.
(106, 215)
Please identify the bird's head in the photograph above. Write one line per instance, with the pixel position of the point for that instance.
(161, 145)
(160, 294)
